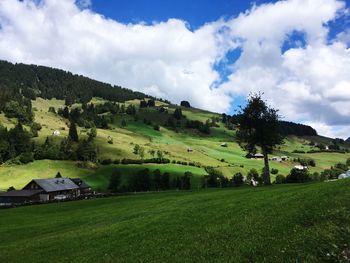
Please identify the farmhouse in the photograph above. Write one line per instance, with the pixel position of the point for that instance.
(56, 133)
(300, 167)
(44, 190)
(258, 156)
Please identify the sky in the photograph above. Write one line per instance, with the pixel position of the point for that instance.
(213, 53)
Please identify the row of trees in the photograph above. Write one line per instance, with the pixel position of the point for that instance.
(144, 180)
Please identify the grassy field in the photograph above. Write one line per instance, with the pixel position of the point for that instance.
(206, 149)
(97, 177)
(289, 223)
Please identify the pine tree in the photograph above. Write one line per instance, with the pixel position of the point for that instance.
(73, 133)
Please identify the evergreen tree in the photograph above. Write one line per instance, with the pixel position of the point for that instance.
(178, 114)
(58, 175)
(114, 182)
(73, 133)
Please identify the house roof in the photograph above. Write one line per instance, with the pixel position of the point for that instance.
(82, 184)
(21, 193)
(56, 184)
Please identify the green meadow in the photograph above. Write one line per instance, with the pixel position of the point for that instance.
(286, 223)
(206, 149)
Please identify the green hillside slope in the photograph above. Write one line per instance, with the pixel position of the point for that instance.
(207, 149)
(289, 223)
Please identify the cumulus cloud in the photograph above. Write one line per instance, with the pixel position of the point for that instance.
(164, 59)
(306, 82)
(307, 79)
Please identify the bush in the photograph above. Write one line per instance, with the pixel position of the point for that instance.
(274, 171)
(116, 161)
(114, 182)
(106, 162)
(237, 179)
(298, 176)
(156, 127)
(280, 179)
(348, 162)
(253, 174)
(316, 177)
(26, 158)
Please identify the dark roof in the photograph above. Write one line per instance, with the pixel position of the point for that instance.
(21, 193)
(82, 184)
(56, 184)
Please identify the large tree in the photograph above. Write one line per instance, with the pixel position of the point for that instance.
(258, 126)
(73, 133)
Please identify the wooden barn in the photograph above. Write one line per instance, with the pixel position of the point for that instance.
(44, 190)
(53, 187)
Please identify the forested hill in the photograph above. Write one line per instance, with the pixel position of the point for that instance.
(20, 82)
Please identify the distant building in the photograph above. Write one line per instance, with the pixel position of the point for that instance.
(284, 158)
(300, 167)
(44, 190)
(224, 144)
(276, 158)
(56, 133)
(258, 156)
(189, 150)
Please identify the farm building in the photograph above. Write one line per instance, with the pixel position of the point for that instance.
(258, 156)
(300, 167)
(44, 190)
(84, 188)
(224, 144)
(56, 133)
(284, 158)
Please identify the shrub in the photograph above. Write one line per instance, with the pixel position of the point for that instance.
(280, 179)
(106, 162)
(237, 179)
(116, 161)
(298, 176)
(348, 162)
(316, 177)
(274, 171)
(156, 127)
(253, 174)
(114, 182)
(26, 158)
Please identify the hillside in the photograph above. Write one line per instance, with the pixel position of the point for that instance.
(189, 139)
(289, 223)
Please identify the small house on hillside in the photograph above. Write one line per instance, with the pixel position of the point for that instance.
(52, 187)
(56, 133)
(44, 190)
(224, 144)
(276, 158)
(259, 156)
(300, 167)
(189, 150)
(84, 188)
(284, 158)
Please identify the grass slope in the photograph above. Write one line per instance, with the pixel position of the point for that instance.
(289, 223)
(206, 149)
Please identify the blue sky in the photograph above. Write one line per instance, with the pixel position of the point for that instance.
(195, 12)
(210, 52)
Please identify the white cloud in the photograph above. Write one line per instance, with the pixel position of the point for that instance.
(150, 58)
(307, 82)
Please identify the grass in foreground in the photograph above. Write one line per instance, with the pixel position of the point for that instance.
(289, 223)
